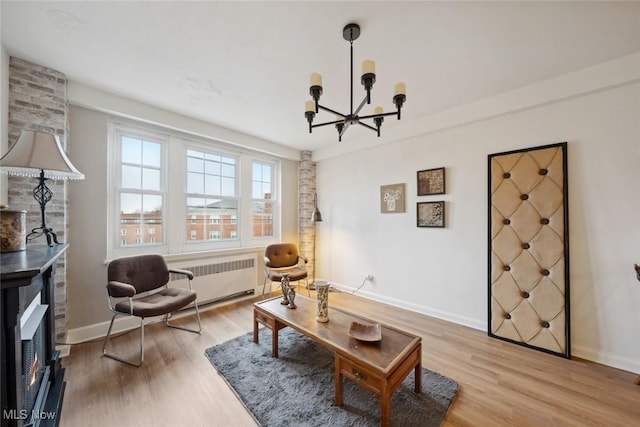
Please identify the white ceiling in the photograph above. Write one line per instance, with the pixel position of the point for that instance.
(246, 65)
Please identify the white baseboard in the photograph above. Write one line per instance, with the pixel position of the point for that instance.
(607, 359)
(460, 320)
(98, 331)
(626, 364)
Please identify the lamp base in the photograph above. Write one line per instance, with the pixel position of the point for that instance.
(48, 232)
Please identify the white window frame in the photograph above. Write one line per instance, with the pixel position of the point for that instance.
(114, 242)
(275, 197)
(208, 244)
(174, 237)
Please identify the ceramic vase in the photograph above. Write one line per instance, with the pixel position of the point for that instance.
(322, 292)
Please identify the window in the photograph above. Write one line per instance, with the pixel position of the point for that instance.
(140, 195)
(212, 193)
(184, 194)
(262, 200)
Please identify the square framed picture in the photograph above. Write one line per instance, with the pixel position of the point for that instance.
(392, 198)
(430, 214)
(431, 181)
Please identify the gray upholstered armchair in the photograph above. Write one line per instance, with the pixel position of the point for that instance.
(284, 258)
(147, 275)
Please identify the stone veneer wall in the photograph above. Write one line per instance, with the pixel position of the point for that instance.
(38, 101)
(306, 228)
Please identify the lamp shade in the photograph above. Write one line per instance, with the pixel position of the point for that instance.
(316, 216)
(38, 151)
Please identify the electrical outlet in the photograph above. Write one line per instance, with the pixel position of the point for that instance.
(369, 277)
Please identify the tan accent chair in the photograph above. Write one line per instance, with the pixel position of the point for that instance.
(128, 278)
(284, 258)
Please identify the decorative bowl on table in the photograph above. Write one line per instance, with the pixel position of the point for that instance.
(365, 331)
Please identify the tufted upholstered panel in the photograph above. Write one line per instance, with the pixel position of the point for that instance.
(528, 265)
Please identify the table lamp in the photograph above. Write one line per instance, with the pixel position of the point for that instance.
(39, 154)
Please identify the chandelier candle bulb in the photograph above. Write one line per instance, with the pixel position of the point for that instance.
(316, 79)
(400, 89)
(368, 67)
(378, 110)
(309, 106)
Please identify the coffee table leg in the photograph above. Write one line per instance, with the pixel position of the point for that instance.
(418, 372)
(274, 340)
(385, 408)
(255, 327)
(338, 381)
(418, 378)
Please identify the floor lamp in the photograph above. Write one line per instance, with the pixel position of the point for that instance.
(39, 154)
(316, 216)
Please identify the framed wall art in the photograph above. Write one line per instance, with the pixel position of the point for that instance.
(430, 214)
(431, 181)
(392, 198)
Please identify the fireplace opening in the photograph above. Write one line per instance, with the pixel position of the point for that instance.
(35, 371)
(33, 367)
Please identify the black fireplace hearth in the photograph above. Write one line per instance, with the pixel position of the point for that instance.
(32, 376)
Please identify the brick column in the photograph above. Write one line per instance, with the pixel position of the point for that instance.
(306, 228)
(38, 101)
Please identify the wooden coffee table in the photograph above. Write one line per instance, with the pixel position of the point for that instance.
(380, 366)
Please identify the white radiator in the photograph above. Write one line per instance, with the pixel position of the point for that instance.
(216, 279)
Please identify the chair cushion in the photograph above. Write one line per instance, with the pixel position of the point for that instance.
(162, 302)
(295, 274)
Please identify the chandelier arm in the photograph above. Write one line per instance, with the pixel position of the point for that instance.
(330, 110)
(373, 116)
(326, 124)
(362, 104)
(368, 126)
(344, 129)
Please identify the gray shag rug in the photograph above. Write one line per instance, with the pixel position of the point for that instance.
(297, 389)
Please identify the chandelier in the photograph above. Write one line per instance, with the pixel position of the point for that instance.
(350, 33)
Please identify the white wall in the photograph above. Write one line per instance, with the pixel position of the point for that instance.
(443, 272)
(86, 269)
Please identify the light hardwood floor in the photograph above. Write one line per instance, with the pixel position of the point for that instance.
(501, 384)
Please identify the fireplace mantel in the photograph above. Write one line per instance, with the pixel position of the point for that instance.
(24, 275)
